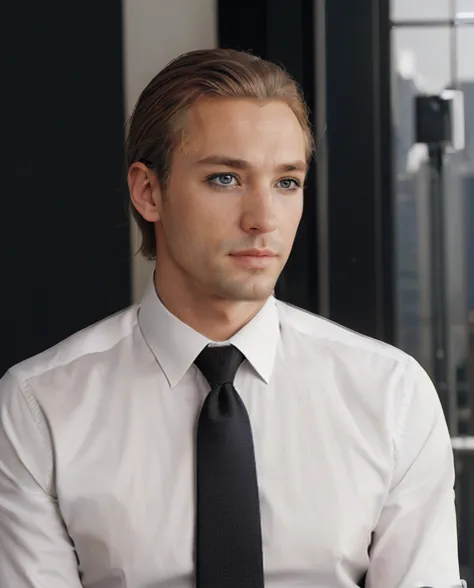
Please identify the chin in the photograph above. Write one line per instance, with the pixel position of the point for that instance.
(251, 291)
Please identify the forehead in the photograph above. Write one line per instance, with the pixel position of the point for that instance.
(246, 128)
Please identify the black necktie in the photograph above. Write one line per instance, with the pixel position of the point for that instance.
(228, 534)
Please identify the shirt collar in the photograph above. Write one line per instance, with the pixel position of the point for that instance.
(176, 345)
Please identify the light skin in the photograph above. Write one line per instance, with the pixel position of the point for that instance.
(235, 184)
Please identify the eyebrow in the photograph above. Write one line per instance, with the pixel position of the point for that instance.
(242, 164)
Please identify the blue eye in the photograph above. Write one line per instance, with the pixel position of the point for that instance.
(221, 180)
(229, 180)
(289, 184)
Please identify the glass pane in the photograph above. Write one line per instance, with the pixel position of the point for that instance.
(421, 9)
(465, 12)
(465, 53)
(421, 64)
(465, 6)
(423, 55)
(463, 168)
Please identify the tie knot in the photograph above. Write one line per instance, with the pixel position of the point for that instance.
(219, 364)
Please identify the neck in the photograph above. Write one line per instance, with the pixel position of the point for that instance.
(215, 318)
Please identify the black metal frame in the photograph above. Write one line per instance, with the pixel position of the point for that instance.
(360, 172)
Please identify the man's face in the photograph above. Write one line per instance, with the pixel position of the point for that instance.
(235, 185)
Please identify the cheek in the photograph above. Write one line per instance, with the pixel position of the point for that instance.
(290, 215)
(195, 227)
(214, 212)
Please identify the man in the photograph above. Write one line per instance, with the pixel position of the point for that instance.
(213, 436)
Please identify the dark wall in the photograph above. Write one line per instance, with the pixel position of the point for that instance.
(64, 240)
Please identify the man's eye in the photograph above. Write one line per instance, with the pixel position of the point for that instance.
(222, 180)
(289, 184)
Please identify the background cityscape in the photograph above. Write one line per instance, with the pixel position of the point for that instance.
(432, 50)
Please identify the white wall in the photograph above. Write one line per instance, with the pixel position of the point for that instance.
(155, 32)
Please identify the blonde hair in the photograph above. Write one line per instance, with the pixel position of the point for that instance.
(157, 123)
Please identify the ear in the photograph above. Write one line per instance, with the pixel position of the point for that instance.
(145, 191)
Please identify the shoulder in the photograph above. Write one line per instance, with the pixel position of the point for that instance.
(368, 375)
(94, 340)
(320, 331)
(372, 366)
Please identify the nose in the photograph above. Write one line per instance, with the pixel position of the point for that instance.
(258, 212)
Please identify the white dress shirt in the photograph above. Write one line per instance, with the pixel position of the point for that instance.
(97, 467)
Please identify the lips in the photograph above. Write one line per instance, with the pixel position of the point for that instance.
(254, 259)
(254, 253)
